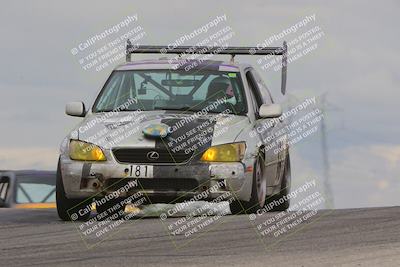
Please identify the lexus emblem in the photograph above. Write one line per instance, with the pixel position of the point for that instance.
(153, 155)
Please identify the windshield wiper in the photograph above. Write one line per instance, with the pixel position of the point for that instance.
(184, 109)
(171, 108)
(110, 110)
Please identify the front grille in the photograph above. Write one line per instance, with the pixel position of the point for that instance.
(140, 155)
(174, 184)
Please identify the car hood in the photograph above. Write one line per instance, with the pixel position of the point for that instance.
(125, 128)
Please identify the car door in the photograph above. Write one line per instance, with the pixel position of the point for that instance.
(271, 158)
(281, 141)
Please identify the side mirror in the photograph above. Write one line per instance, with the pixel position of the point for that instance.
(270, 111)
(76, 109)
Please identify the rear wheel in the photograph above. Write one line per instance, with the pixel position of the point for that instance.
(70, 209)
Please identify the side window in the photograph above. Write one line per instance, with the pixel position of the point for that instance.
(255, 95)
(265, 94)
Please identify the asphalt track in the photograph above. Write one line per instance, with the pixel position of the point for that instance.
(351, 237)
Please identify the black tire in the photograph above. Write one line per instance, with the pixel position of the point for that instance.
(285, 188)
(237, 207)
(257, 199)
(67, 208)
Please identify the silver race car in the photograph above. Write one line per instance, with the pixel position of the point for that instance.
(175, 129)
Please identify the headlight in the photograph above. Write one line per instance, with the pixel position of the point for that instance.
(79, 150)
(225, 153)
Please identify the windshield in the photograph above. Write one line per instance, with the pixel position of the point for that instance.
(172, 90)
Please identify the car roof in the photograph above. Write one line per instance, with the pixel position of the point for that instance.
(181, 64)
(34, 173)
(31, 176)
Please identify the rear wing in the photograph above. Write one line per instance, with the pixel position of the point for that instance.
(239, 50)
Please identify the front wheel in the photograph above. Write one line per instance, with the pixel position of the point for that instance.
(70, 209)
(285, 188)
(258, 192)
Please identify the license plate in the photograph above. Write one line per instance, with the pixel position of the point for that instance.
(141, 171)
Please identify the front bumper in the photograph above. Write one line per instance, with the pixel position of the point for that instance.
(167, 184)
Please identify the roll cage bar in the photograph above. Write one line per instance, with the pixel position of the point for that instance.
(233, 51)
